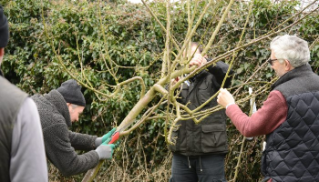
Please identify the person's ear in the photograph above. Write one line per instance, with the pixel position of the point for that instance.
(2, 51)
(288, 66)
(1, 54)
(69, 106)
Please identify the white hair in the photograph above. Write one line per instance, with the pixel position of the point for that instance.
(291, 48)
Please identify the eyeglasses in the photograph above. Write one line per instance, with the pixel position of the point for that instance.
(270, 61)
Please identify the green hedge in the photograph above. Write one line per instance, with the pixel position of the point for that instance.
(91, 37)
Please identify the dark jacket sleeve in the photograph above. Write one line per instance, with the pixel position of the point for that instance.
(219, 71)
(62, 154)
(82, 141)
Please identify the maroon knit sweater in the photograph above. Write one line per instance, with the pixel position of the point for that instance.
(271, 115)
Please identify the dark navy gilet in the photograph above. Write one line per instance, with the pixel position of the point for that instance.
(292, 150)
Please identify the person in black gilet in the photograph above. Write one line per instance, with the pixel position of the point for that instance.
(200, 149)
(289, 116)
(22, 155)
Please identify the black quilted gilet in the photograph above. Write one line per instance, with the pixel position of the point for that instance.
(292, 151)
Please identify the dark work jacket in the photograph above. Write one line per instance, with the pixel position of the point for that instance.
(11, 99)
(292, 150)
(209, 136)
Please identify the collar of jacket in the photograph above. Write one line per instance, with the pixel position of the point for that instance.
(55, 98)
(198, 76)
(292, 74)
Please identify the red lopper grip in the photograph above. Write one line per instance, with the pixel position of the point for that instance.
(115, 137)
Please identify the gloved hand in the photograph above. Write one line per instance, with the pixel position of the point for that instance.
(105, 151)
(100, 140)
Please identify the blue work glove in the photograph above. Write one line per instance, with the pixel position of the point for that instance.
(100, 140)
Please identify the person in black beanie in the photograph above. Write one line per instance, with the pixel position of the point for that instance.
(58, 109)
(71, 92)
(22, 155)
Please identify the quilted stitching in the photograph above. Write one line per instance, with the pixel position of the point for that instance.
(294, 146)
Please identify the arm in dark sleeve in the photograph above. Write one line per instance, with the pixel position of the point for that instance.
(82, 141)
(219, 71)
(62, 154)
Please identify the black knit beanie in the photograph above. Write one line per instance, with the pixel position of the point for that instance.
(71, 91)
(4, 29)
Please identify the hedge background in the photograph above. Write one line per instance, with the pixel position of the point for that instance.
(99, 39)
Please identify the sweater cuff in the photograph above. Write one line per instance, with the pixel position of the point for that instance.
(98, 142)
(230, 104)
